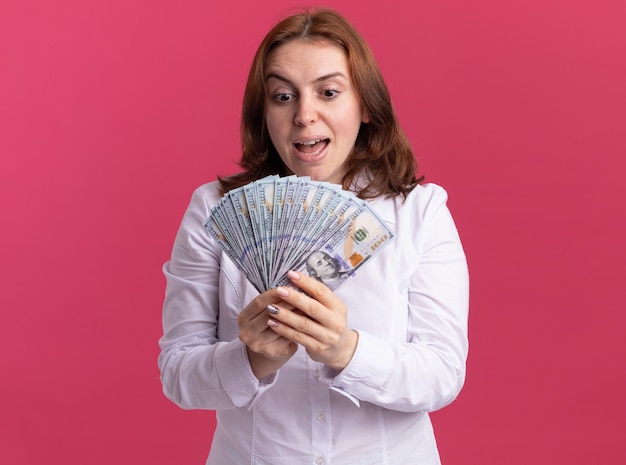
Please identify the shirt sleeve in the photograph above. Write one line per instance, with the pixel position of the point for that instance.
(197, 369)
(427, 371)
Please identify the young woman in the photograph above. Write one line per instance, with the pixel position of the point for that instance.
(321, 377)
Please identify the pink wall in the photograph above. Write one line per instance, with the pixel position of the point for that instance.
(111, 112)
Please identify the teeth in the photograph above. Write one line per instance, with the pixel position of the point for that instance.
(311, 142)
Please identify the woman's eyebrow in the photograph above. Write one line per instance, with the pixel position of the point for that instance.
(326, 77)
(323, 78)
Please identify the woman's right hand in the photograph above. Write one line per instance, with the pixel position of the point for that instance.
(267, 351)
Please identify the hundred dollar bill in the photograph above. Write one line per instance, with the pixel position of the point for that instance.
(349, 248)
(280, 190)
(284, 208)
(255, 220)
(265, 190)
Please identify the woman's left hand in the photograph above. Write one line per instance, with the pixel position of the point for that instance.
(318, 322)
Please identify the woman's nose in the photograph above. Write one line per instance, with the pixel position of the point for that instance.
(306, 112)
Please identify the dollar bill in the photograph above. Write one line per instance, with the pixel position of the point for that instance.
(277, 224)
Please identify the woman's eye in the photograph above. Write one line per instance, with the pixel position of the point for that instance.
(283, 98)
(330, 93)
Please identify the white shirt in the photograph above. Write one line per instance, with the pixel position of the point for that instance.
(409, 306)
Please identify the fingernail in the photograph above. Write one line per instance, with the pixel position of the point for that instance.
(293, 275)
(282, 291)
(272, 309)
(272, 323)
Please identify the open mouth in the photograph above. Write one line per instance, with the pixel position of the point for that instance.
(311, 147)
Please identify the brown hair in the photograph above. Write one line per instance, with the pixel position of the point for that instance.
(381, 149)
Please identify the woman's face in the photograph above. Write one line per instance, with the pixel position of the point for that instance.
(313, 113)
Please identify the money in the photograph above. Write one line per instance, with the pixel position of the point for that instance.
(277, 224)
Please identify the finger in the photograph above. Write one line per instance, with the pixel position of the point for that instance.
(257, 335)
(252, 322)
(279, 347)
(255, 332)
(258, 305)
(319, 310)
(332, 348)
(314, 288)
(303, 334)
(294, 324)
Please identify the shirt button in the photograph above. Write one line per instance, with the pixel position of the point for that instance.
(320, 461)
(317, 376)
(320, 417)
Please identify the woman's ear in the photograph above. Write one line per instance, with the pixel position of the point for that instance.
(365, 117)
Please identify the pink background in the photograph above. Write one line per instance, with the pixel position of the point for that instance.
(113, 111)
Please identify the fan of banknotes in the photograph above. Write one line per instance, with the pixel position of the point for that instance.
(277, 224)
